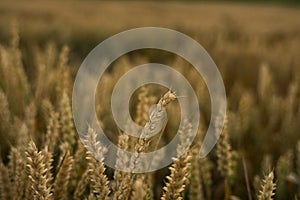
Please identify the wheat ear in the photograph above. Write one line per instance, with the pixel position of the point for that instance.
(66, 122)
(298, 157)
(195, 182)
(17, 172)
(5, 186)
(226, 161)
(143, 144)
(283, 168)
(82, 185)
(96, 168)
(52, 131)
(30, 120)
(62, 178)
(122, 178)
(122, 160)
(180, 169)
(142, 186)
(225, 155)
(206, 175)
(79, 167)
(267, 188)
(64, 75)
(4, 113)
(142, 108)
(37, 173)
(264, 86)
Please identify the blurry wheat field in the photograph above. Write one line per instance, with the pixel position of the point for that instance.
(256, 48)
(69, 21)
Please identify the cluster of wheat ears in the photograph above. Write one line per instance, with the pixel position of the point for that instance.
(42, 157)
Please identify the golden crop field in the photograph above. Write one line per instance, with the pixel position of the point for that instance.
(256, 49)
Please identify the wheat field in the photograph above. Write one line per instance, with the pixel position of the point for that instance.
(256, 48)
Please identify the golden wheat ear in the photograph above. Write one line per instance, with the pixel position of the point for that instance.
(284, 168)
(96, 170)
(82, 185)
(17, 173)
(195, 186)
(5, 186)
(267, 187)
(62, 178)
(180, 169)
(52, 133)
(226, 159)
(38, 185)
(67, 129)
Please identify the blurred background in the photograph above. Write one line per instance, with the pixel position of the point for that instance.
(255, 45)
(238, 35)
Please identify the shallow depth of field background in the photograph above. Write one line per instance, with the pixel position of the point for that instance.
(256, 47)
